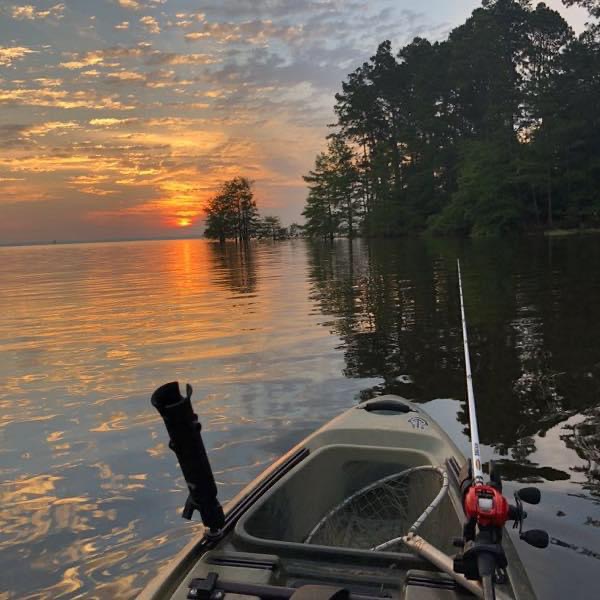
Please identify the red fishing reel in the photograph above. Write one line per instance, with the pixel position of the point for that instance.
(486, 505)
(487, 511)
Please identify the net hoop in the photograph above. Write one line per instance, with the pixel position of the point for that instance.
(401, 474)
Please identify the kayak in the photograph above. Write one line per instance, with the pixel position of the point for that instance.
(369, 506)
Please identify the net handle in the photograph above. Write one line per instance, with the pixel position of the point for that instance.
(432, 506)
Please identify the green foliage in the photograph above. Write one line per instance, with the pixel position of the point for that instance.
(495, 129)
(333, 204)
(486, 192)
(270, 228)
(232, 212)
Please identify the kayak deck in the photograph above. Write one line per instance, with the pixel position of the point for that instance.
(267, 524)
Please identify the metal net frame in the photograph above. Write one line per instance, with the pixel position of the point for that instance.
(378, 516)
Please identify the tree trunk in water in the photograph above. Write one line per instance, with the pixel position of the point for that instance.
(366, 187)
(535, 206)
(330, 222)
(396, 166)
(350, 219)
(549, 196)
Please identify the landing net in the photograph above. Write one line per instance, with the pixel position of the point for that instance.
(379, 515)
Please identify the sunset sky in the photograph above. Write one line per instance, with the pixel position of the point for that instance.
(118, 118)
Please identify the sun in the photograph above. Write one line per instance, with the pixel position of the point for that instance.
(184, 222)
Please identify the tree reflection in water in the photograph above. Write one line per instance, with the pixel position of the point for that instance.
(584, 438)
(534, 345)
(234, 266)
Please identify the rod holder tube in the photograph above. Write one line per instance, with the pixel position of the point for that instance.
(185, 438)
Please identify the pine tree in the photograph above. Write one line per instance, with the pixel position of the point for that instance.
(232, 212)
(333, 204)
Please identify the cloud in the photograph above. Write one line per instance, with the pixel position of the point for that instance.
(150, 24)
(61, 99)
(8, 55)
(280, 8)
(122, 25)
(98, 57)
(139, 4)
(80, 60)
(159, 78)
(143, 53)
(131, 4)
(251, 32)
(42, 129)
(111, 121)
(20, 135)
(49, 82)
(125, 76)
(172, 58)
(31, 13)
(11, 135)
(88, 179)
(196, 35)
(183, 20)
(88, 60)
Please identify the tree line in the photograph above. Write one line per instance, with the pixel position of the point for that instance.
(493, 130)
(232, 214)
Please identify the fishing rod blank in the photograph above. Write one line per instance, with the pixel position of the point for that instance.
(475, 451)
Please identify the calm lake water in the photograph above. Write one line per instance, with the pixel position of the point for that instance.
(277, 339)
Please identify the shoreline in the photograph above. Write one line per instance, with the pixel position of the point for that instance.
(569, 232)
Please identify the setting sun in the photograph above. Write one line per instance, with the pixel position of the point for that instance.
(185, 222)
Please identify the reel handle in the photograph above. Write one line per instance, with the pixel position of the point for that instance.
(529, 495)
(536, 538)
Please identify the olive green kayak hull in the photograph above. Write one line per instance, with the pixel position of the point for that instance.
(264, 540)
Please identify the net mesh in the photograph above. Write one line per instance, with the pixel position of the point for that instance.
(383, 511)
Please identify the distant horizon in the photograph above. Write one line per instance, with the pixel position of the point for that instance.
(100, 241)
(166, 237)
(92, 241)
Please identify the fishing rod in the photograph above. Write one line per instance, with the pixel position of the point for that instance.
(486, 509)
(475, 448)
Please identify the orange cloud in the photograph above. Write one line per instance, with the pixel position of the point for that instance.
(61, 99)
(125, 76)
(10, 54)
(132, 4)
(111, 122)
(45, 128)
(31, 13)
(98, 57)
(89, 61)
(48, 82)
(252, 32)
(150, 24)
(55, 164)
(139, 4)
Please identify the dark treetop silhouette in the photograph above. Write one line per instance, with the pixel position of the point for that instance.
(232, 214)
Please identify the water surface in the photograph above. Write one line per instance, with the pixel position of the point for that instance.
(276, 339)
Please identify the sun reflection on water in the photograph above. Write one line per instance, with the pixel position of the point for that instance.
(89, 492)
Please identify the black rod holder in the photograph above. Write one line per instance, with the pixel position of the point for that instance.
(184, 429)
